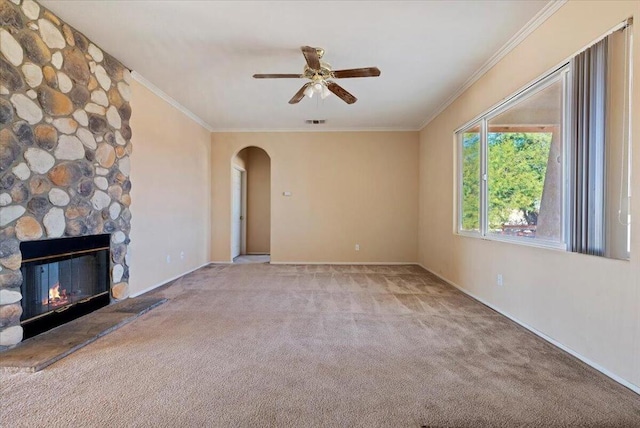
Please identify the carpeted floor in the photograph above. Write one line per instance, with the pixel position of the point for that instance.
(303, 346)
(252, 258)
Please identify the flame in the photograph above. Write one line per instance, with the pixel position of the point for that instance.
(57, 296)
(54, 292)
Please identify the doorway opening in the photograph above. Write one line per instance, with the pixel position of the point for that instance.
(251, 206)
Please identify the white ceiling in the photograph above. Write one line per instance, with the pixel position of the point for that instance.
(203, 54)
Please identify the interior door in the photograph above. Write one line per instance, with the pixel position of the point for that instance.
(236, 213)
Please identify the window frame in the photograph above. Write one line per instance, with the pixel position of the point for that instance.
(561, 74)
(458, 136)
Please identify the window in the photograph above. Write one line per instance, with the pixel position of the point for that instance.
(550, 165)
(470, 146)
(524, 165)
(513, 157)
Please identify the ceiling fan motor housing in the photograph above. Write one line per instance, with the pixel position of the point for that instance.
(324, 72)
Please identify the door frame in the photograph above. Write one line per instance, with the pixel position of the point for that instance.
(243, 209)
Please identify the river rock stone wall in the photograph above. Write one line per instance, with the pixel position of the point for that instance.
(64, 146)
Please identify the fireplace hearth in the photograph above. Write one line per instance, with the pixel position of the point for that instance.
(63, 279)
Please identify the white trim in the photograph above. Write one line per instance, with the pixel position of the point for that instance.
(232, 194)
(244, 195)
(146, 290)
(535, 22)
(219, 262)
(555, 69)
(542, 15)
(528, 242)
(243, 207)
(317, 128)
(604, 371)
(518, 93)
(543, 82)
(347, 263)
(159, 92)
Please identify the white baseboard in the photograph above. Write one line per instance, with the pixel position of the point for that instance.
(623, 382)
(223, 262)
(146, 290)
(346, 263)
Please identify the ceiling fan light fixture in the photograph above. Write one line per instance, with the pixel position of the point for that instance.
(325, 92)
(309, 91)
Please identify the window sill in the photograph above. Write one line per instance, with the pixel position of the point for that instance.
(527, 242)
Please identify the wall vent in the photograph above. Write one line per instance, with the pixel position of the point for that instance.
(315, 121)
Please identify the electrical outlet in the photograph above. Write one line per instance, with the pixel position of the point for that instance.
(168, 259)
(181, 255)
(499, 280)
(357, 247)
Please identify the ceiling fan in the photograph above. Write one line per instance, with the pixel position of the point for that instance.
(320, 74)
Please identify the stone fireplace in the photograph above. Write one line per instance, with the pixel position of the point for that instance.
(64, 170)
(63, 279)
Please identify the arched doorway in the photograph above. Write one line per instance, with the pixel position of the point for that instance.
(251, 205)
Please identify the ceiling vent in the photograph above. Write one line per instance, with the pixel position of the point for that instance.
(315, 121)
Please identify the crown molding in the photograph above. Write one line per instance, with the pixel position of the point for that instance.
(535, 22)
(544, 13)
(239, 130)
(159, 92)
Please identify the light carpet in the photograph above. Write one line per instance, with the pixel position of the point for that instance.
(291, 346)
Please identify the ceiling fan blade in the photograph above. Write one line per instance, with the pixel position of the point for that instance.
(299, 95)
(311, 55)
(357, 72)
(341, 93)
(277, 76)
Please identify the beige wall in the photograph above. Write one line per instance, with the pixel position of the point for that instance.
(347, 188)
(258, 201)
(171, 191)
(590, 305)
(240, 159)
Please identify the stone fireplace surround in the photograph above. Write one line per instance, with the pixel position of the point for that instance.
(64, 147)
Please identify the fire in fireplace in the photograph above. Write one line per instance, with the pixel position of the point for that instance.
(56, 299)
(63, 279)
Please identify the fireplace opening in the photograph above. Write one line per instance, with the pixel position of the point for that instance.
(63, 279)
